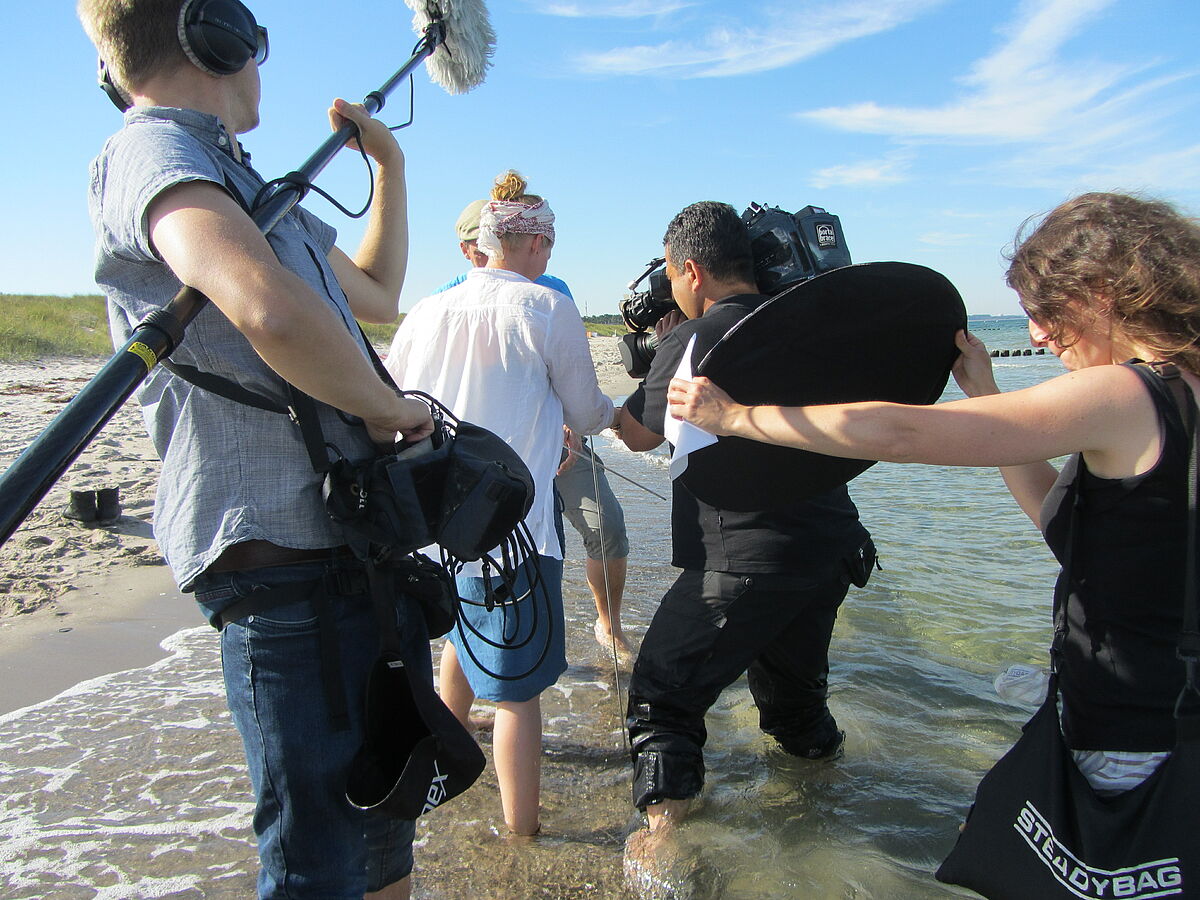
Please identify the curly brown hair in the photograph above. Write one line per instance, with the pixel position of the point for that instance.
(1133, 261)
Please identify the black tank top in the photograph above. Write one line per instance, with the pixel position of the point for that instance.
(1119, 675)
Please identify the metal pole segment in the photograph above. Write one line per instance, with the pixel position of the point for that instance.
(30, 477)
(280, 202)
(43, 462)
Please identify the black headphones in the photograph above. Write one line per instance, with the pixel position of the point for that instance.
(218, 36)
(114, 93)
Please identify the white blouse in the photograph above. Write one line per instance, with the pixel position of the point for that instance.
(511, 356)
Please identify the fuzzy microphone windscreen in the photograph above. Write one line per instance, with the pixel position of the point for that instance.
(462, 62)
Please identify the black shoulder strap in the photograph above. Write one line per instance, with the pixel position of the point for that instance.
(1169, 373)
(301, 407)
(223, 387)
(1189, 642)
(236, 194)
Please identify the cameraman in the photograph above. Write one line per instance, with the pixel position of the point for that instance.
(759, 591)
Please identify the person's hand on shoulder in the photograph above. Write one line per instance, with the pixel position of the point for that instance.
(973, 368)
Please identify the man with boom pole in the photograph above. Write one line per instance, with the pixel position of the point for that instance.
(239, 515)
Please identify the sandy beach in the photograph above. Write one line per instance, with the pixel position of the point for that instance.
(52, 566)
(81, 601)
(77, 601)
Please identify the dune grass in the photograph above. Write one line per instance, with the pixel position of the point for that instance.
(37, 326)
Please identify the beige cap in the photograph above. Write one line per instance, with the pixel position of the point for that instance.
(467, 226)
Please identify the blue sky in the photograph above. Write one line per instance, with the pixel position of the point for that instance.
(931, 127)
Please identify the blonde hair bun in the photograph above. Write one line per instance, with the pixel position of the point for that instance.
(510, 186)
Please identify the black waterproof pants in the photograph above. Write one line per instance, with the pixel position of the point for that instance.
(710, 628)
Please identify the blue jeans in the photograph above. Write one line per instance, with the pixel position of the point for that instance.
(311, 842)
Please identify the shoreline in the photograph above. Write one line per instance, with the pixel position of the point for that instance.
(117, 621)
(78, 601)
(82, 604)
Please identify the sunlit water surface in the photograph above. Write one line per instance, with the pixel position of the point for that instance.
(131, 786)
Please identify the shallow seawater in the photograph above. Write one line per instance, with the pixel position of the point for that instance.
(132, 786)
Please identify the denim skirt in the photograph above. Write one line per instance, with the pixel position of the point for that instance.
(517, 649)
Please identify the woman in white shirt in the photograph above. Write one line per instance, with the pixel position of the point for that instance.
(511, 356)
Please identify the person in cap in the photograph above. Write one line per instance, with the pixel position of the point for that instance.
(238, 513)
(511, 355)
(588, 501)
(759, 591)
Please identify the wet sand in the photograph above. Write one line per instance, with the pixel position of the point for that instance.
(114, 621)
(80, 601)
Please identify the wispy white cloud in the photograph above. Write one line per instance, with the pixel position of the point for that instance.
(865, 173)
(615, 9)
(1126, 168)
(1021, 92)
(777, 36)
(1061, 121)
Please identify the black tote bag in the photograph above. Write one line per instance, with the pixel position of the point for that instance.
(1038, 830)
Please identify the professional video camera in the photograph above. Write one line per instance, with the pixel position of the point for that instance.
(641, 311)
(787, 248)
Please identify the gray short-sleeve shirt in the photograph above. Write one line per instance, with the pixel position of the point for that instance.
(230, 472)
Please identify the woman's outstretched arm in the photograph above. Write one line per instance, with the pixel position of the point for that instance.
(1103, 411)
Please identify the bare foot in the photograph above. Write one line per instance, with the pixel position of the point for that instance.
(650, 865)
(608, 639)
(518, 839)
(482, 721)
(666, 814)
(663, 865)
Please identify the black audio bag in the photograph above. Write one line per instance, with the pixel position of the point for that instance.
(1037, 829)
(464, 488)
(487, 493)
(415, 754)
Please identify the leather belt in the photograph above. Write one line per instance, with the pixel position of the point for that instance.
(256, 554)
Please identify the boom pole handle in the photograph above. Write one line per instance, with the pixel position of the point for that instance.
(30, 477)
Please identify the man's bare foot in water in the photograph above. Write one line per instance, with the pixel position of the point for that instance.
(654, 848)
(667, 814)
(608, 639)
(659, 865)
